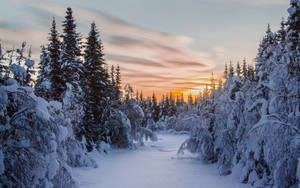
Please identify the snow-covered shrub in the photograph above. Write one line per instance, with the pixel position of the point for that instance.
(159, 125)
(269, 151)
(119, 127)
(148, 134)
(187, 122)
(14, 63)
(136, 117)
(72, 106)
(36, 144)
(201, 142)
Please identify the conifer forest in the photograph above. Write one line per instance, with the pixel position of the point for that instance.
(70, 118)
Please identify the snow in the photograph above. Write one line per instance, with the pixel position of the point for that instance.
(29, 63)
(154, 165)
(2, 167)
(18, 70)
(11, 81)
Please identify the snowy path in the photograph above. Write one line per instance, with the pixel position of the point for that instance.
(154, 166)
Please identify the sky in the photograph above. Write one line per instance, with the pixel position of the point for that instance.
(160, 45)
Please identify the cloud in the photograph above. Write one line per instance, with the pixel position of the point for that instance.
(147, 58)
(132, 60)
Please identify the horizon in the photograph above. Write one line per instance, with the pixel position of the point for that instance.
(153, 56)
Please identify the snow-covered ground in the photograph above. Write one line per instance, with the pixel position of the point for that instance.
(154, 166)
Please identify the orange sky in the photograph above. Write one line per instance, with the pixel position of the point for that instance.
(181, 58)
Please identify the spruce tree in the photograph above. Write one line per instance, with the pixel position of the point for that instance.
(118, 82)
(281, 34)
(293, 47)
(71, 64)
(231, 70)
(238, 69)
(190, 100)
(154, 108)
(226, 71)
(212, 81)
(172, 107)
(41, 89)
(250, 72)
(55, 76)
(113, 87)
(178, 103)
(293, 25)
(29, 63)
(95, 87)
(112, 75)
(244, 69)
(141, 96)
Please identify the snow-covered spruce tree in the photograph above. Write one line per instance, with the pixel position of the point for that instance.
(42, 82)
(71, 64)
(114, 88)
(71, 71)
(244, 69)
(238, 69)
(202, 139)
(29, 63)
(154, 114)
(136, 116)
(95, 85)
(50, 84)
(293, 55)
(4, 68)
(118, 83)
(37, 146)
(255, 133)
(155, 108)
(57, 84)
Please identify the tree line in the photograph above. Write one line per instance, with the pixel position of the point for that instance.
(250, 125)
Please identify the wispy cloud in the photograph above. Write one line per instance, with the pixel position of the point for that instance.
(147, 58)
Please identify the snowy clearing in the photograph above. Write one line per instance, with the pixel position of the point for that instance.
(155, 166)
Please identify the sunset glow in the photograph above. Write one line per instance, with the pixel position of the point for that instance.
(153, 56)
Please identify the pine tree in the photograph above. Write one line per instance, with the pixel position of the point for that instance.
(114, 89)
(293, 39)
(182, 99)
(293, 47)
(41, 89)
(244, 69)
(172, 107)
(29, 63)
(3, 67)
(238, 69)
(154, 108)
(281, 34)
(178, 103)
(112, 75)
(137, 96)
(166, 106)
(95, 87)
(141, 96)
(226, 71)
(55, 73)
(231, 70)
(118, 82)
(212, 81)
(71, 64)
(190, 100)
(293, 25)
(251, 73)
